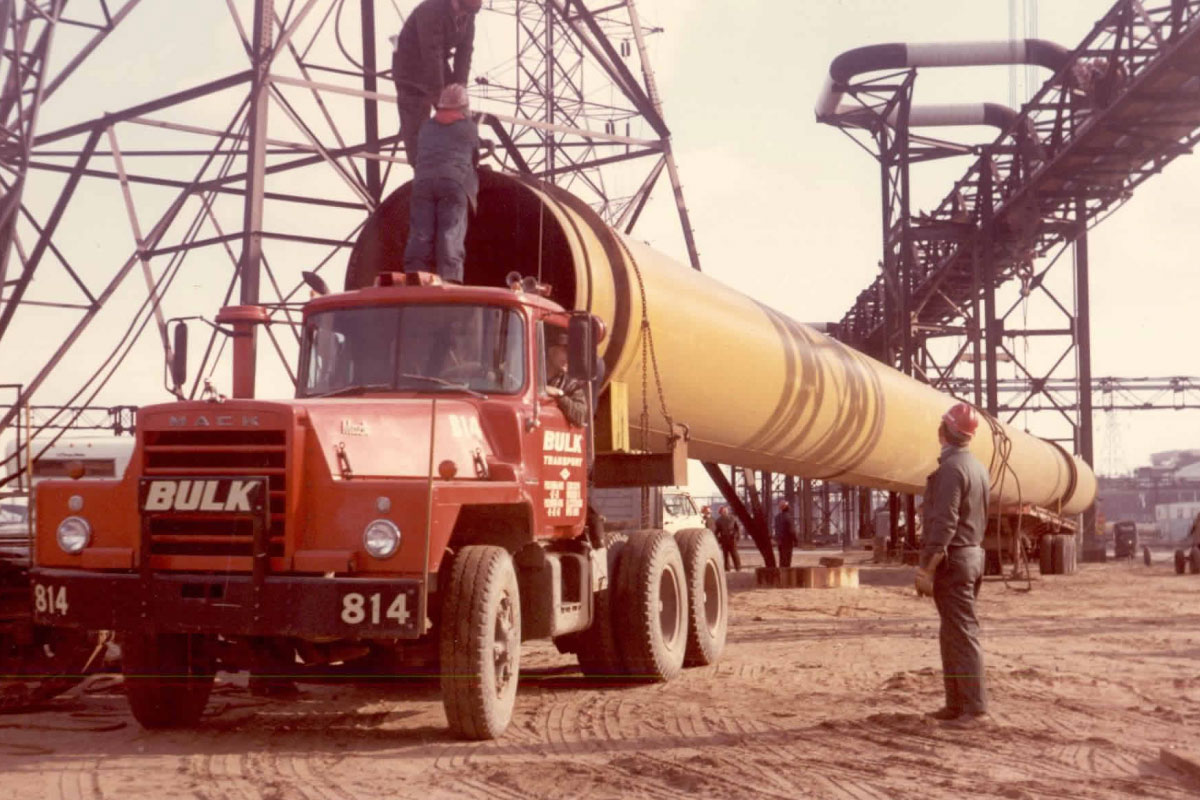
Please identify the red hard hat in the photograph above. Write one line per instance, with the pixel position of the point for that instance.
(961, 419)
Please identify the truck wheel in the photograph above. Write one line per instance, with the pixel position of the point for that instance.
(596, 648)
(1046, 555)
(1194, 560)
(1146, 555)
(168, 677)
(1180, 562)
(991, 562)
(708, 596)
(480, 642)
(1058, 554)
(651, 606)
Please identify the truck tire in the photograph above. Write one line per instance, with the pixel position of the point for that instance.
(991, 561)
(1146, 556)
(1058, 554)
(1180, 562)
(480, 642)
(708, 596)
(651, 607)
(596, 648)
(1046, 555)
(1194, 560)
(168, 677)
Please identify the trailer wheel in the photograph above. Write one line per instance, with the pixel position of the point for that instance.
(1146, 555)
(1046, 555)
(1058, 554)
(651, 606)
(708, 596)
(991, 562)
(596, 648)
(480, 642)
(168, 677)
(1194, 560)
(1180, 562)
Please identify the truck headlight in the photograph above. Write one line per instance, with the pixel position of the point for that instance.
(73, 534)
(381, 538)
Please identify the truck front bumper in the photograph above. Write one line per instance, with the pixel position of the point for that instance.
(231, 605)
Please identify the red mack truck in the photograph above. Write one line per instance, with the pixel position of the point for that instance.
(421, 503)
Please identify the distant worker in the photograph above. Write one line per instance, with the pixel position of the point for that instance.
(444, 185)
(785, 531)
(727, 531)
(955, 511)
(568, 393)
(706, 518)
(436, 32)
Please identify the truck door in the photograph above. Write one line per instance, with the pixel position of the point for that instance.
(557, 446)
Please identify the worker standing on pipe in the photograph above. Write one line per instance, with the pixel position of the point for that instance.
(436, 32)
(955, 512)
(785, 530)
(444, 186)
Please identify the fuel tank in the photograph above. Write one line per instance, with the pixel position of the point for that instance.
(754, 387)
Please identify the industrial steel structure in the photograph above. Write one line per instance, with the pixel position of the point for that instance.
(240, 182)
(246, 178)
(1114, 110)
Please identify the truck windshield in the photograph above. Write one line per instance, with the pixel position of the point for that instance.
(680, 505)
(420, 348)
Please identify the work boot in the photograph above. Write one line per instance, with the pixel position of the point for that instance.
(969, 719)
(944, 714)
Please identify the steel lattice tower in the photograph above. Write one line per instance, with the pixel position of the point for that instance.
(134, 197)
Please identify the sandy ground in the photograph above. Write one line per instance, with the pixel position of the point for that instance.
(820, 693)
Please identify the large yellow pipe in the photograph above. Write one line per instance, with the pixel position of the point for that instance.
(754, 387)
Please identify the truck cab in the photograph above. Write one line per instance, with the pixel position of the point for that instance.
(421, 501)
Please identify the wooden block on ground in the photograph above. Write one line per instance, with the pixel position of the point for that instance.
(767, 576)
(815, 578)
(831, 561)
(845, 577)
(1181, 761)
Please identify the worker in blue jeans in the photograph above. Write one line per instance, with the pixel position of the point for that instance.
(445, 185)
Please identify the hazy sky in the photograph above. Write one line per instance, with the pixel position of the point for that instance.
(784, 209)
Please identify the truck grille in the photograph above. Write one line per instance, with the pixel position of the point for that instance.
(202, 454)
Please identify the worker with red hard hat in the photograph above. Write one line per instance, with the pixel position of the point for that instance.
(951, 563)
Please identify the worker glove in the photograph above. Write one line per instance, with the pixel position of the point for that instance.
(554, 391)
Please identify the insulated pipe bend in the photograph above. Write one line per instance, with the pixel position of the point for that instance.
(942, 115)
(936, 54)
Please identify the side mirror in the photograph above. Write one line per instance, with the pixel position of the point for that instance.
(179, 355)
(581, 348)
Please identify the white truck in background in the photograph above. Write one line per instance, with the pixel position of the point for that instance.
(671, 509)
